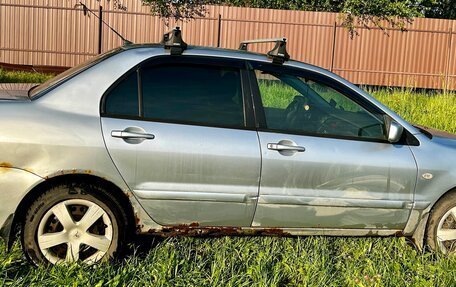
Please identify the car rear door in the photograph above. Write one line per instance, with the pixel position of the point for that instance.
(179, 130)
(326, 162)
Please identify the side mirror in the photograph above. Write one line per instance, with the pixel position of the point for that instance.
(395, 132)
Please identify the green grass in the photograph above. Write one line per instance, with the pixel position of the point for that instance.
(249, 261)
(266, 261)
(276, 95)
(23, 77)
(435, 110)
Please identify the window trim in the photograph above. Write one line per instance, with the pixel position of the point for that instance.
(140, 94)
(260, 115)
(248, 123)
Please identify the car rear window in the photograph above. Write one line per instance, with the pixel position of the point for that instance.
(37, 91)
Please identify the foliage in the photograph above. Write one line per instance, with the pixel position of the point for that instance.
(117, 4)
(444, 9)
(395, 13)
(308, 5)
(434, 110)
(23, 77)
(179, 10)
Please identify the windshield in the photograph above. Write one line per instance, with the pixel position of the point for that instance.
(60, 78)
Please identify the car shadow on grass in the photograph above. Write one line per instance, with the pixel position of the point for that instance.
(140, 246)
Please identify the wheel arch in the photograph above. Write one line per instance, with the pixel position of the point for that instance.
(120, 196)
(431, 206)
(419, 235)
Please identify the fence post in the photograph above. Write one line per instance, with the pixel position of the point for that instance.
(333, 51)
(447, 68)
(219, 30)
(100, 29)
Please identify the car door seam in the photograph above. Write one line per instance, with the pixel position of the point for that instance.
(259, 180)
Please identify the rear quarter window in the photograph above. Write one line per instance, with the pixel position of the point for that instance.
(122, 99)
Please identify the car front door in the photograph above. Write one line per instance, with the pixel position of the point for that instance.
(326, 162)
(178, 130)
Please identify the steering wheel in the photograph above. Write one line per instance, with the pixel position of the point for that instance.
(297, 111)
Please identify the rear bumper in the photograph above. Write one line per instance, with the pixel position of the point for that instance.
(14, 185)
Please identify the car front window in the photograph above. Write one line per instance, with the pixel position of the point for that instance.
(296, 104)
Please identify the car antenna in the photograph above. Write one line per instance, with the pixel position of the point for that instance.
(86, 9)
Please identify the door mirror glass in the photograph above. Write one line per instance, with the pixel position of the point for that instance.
(395, 131)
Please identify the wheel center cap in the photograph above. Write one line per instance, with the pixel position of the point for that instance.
(76, 233)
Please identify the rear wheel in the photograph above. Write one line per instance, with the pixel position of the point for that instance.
(441, 229)
(70, 223)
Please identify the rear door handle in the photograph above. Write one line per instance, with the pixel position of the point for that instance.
(131, 135)
(283, 147)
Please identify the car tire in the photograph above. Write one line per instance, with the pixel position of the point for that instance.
(73, 222)
(441, 227)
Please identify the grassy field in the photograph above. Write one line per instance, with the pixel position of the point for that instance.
(266, 261)
(433, 110)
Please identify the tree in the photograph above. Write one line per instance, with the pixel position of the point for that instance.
(353, 13)
(396, 13)
(179, 9)
(445, 9)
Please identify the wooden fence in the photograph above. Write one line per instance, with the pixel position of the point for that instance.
(55, 33)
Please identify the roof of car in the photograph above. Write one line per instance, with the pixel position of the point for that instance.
(190, 47)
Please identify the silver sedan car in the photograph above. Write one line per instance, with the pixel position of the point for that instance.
(169, 139)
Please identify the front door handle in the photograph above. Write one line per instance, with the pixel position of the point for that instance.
(125, 134)
(283, 147)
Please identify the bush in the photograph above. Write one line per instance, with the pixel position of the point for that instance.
(23, 77)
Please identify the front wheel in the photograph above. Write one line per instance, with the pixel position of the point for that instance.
(441, 228)
(71, 223)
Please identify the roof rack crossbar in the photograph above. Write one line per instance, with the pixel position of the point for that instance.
(269, 40)
(172, 40)
(278, 54)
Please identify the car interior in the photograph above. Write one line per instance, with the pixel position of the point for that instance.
(317, 109)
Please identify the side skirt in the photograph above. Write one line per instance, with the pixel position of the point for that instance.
(194, 230)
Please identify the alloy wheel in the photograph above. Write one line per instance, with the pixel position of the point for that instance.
(75, 229)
